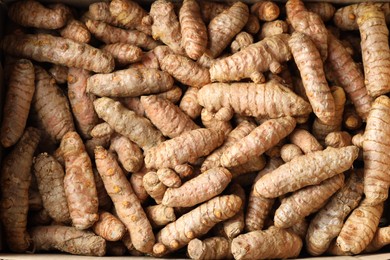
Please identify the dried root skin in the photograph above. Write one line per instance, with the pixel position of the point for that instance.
(323, 9)
(268, 244)
(327, 223)
(375, 146)
(320, 129)
(338, 139)
(50, 178)
(235, 225)
(160, 215)
(309, 169)
(110, 34)
(109, 227)
(165, 25)
(348, 75)
(267, 134)
(265, 10)
(310, 24)
(189, 103)
(374, 39)
(252, 26)
(169, 177)
(166, 116)
(223, 28)
(100, 11)
(129, 83)
(76, 31)
(193, 30)
(276, 27)
(59, 73)
(351, 120)
(91, 144)
(359, 229)
(241, 97)
(129, 154)
(381, 239)
(198, 221)
(101, 130)
(210, 121)
(154, 187)
(210, 248)
(138, 129)
(105, 202)
(126, 203)
(136, 181)
(81, 102)
(15, 181)
(51, 106)
(187, 147)
(241, 41)
(306, 201)
(79, 182)
(211, 9)
(58, 50)
(67, 239)
(300, 228)
(199, 189)
(130, 15)
(289, 152)
(32, 13)
(124, 53)
(310, 65)
(173, 95)
(259, 57)
(21, 88)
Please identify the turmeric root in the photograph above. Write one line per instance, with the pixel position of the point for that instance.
(323, 9)
(110, 34)
(154, 187)
(300, 228)
(136, 181)
(50, 179)
(223, 28)
(320, 129)
(268, 244)
(241, 41)
(199, 189)
(193, 145)
(289, 152)
(129, 83)
(268, 134)
(166, 116)
(124, 53)
(189, 103)
(348, 75)
(310, 24)
(259, 57)
(15, 180)
(265, 10)
(273, 28)
(59, 73)
(235, 225)
(127, 123)
(130, 15)
(312, 73)
(129, 154)
(286, 178)
(185, 70)
(160, 215)
(338, 139)
(165, 25)
(21, 88)
(209, 120)
(328, 222)
(196, 223)
(109, 227)
(259, 207)
(193, 29)
(252, 26)
(76, 31)
(184, 170)
(359, 229)
(102, 130)
(67, 239)
(381, 239)
(351, 120)
(210, 248)
(51, 106)
(79, 182)
(173, 95)
(30, 13)
(58, 50)
(241, 96)
(306, 201)
(126, 203)
(210, 9)
(81, 102)
(169, 178)
(105, 202)
(100, 11)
